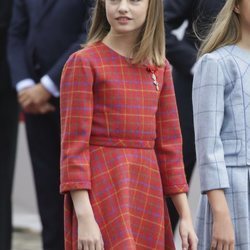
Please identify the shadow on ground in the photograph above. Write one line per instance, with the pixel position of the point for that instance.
(26, 240)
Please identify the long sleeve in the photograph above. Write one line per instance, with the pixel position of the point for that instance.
(168, 145)
(17, 41)
(76, 121)
(175, 13)
(208, 105)
(55, 71)
(5, 15)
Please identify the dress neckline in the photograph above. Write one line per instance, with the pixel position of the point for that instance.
(149, 67)
(237, 50)
(114, 51)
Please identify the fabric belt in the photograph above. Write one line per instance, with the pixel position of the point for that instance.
(121, 143)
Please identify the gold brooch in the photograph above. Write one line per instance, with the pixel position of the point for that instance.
(153, 70)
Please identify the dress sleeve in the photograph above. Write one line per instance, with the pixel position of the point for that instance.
(168, 145)
(76, 109)
(208, 107)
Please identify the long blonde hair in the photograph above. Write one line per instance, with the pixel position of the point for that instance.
(150, 44)
(224, 31)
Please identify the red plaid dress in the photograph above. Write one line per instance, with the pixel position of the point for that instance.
(120, 140)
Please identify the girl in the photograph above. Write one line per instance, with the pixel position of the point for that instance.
(121, 142)
(221, 101)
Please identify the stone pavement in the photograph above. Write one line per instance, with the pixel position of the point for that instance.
(26, 240)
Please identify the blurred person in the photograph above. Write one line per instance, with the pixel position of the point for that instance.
(42, 35)
(8, 131)
(182, 56)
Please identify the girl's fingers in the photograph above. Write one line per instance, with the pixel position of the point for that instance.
(80, 246)
(98, 246)
(193, 242)
(219, 246)
(102, 244)
(86, 245)
(184, 239)
(213, 244)
(231, 246)
(92, 246)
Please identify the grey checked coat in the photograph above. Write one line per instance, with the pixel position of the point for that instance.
(221, 103)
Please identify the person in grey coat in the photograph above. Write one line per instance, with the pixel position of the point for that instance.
(221, 104)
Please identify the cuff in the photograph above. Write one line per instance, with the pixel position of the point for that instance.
(175, 189)
(66, 187)
(213, 176)
(26, 83)
(50, 85)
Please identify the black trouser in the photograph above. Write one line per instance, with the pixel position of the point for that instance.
(183, 92)
(43, 133)
(8, 136)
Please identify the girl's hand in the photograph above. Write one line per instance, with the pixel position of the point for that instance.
(89, 234)
(223, 232)
(188, 235)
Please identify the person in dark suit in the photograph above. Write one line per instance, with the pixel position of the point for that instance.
(182, 55)
(42, 35)
(8, 130)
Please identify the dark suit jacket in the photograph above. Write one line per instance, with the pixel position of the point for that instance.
(5, 14)
(182, 54)
(43, 34)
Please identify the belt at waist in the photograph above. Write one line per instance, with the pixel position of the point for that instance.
(121, 143)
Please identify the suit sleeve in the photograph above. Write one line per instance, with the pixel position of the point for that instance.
(5, 14)
(55, 72)
(175, 13)
(76, 121)
(168, 145)
(17, 36)
(208, 106)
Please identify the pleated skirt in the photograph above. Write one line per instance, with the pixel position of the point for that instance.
(238, 199)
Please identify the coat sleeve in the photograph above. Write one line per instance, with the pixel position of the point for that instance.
(168, 145)
(208, 106)
(175, 13)
(17, 36)
(76, 109)
(55, 71)
(5, 15)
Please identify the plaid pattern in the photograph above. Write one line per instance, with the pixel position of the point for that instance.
(221, 107)
(221, 92)
(121, 140)
(238, 199)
